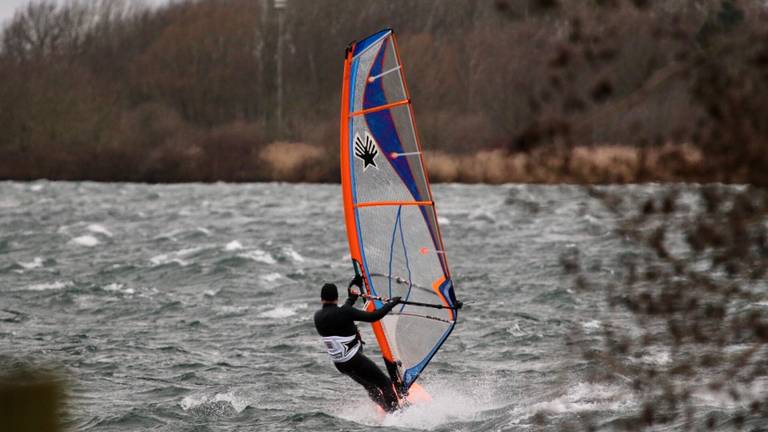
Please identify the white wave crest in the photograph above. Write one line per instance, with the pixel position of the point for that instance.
(586, 397)
(35, 263)
(57, 285)
(270, 277)
(99, 229)
(591, 325)
(258, 255)
(218, 404)
(233, 309)
(657, 357)
(174, 257)
(163, 259)
(449, 403)
(118, 287)
(516, 331)
(86, 240)
(280, 312)
(482, 216)
(233, 246)
(292, 254)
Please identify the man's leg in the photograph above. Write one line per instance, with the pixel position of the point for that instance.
(365, 372)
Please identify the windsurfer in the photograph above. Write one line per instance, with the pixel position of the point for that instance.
(342, 339)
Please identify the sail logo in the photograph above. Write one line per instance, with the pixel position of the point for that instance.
(366, 150)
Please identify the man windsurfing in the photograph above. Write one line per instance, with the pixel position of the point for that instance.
(336, 326)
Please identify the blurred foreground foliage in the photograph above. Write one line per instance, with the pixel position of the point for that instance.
(693, 275)
(505, 90)
(693, 278)
(694, 271)
(30, 401)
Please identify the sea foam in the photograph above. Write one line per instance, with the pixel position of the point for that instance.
(292, 254)
(270, 277)
(233, 246)
(219, 404)
(85, 240)
(118, 287)
(35, 263)
(280, 312)
(586, 397)
(258, 255)
(57, 285)
(449, 403)
(174, 257)
(99, 229)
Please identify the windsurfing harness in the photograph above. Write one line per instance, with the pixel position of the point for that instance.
(342, 348)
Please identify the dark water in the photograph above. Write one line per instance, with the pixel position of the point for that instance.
(188, 307)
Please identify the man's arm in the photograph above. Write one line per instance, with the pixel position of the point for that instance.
(361, 315)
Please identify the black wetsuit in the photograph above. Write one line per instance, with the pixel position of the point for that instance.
(333, 320)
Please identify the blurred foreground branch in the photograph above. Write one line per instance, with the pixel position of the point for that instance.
(693, 279)
(30, 402)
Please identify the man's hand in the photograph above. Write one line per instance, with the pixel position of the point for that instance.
(357, 281)
(396, 300)
(354, 292)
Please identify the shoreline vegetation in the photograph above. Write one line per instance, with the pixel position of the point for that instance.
(535, 91)
(297, 162)
(606, 164)
(303, 163)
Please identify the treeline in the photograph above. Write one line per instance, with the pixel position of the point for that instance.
(110, 90)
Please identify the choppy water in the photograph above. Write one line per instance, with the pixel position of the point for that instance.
(188, 307)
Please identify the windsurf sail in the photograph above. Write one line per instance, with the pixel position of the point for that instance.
(392, 226)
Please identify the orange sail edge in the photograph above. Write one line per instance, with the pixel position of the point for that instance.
(346, 182)
(349, 215)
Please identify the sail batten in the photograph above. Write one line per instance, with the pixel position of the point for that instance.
(381, 107)
(391, 220)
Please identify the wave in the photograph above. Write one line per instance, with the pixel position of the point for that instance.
(449, 403)
(259, 256)
(118, 287)
(233, 246)
(270, 277)
(174, 257)
(591, 325)
(482, 215)
(294, 256)
(184, 234)
(8, 203)
(37, 262)
(85, 240)
(586, 397)
(49, 286)
(282, 311)
(205, 231)
(99, 229)
(216, 405)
